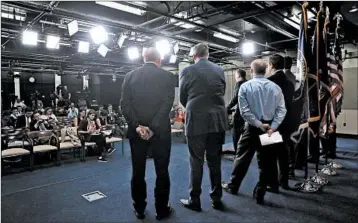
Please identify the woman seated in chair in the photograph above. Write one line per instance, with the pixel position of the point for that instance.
(51, 118)
(92, 132)
(179, 119)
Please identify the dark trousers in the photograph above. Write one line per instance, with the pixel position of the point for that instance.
(160, 147)
(248, 145)
(210, 143)
(281, 151)
(329, 144)
(100, 141)
(237, 130)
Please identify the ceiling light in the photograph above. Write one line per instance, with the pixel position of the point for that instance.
(163, 46)
(226, 37)
(72, 27)
(53, 42)
(173, 59)
(133, 53)
(29, 38)
(248, 48)
(122, 7)
(83, 47)
(354, 9)
(99, 35)
(103, 50)
(121, 40)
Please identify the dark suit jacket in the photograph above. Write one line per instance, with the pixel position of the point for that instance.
(288, 90)
(234, 101)
(202, 89)
(147, 98)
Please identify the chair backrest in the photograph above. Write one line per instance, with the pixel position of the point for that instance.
(36, 134)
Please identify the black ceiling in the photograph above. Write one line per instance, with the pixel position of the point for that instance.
(270, 25)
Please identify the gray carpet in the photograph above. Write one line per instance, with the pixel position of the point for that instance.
(54, 194)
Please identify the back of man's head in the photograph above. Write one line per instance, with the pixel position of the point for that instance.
(241, 73)
(288, 63)
(200, 50)
(258, 66)
(277, 61)
(152, 55)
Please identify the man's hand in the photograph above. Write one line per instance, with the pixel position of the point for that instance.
(270, 132)
(264, 127)
(144, 132)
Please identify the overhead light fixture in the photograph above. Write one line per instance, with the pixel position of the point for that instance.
(163, 46)
(354, 9)
(122, 7)
(72, 27)
(99, 35)
(133, 53)
(173, 59)
(53, 42)
(121, 40)
(83, 47)
(176, 48)
(266, 52)
(292, 23)
(29, 38)
(226, 37)
(114, 77)
(248, 48)
(103, 50)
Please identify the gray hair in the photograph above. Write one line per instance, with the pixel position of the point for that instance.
(200, 50)
(258, 66)
(151, 55)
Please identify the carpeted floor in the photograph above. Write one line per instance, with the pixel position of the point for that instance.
(54, 194)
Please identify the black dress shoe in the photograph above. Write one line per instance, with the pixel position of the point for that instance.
(258, 196)
(140, 216)
(190, 205)
(218, 205)
(228, 189)
(165, 214)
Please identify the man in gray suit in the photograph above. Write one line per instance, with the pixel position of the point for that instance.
(202, 89)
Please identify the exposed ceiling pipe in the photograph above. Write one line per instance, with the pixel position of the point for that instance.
(282, 41)
(276, 28)
(49, 8)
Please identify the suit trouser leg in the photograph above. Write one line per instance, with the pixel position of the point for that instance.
(237, 130)
(213, 157)
(244, 155)
(161, 148)
(197, 146)
(282, 155)
(139, 149)
(265, 160)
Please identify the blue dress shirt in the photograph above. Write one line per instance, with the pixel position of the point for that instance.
(261, 99)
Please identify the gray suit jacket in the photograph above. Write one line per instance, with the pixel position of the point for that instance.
(202, 89)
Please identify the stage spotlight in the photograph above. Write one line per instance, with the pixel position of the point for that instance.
(133, 53)
(121, 40)
(248, 48)
(163, 46)
(72, 27)
(53, 42)
(83, 47)
(103, 50)
(29, 38)
(173, 59)
(99, 35)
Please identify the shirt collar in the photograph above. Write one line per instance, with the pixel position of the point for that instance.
(259, 76)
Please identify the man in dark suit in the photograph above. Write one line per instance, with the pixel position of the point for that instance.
(147, 97)
(202, 89)
(240, 77)
(275, 67)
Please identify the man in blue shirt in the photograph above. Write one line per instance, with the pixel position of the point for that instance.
(262, 106)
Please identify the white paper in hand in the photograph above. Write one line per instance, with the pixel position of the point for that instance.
(266, 140)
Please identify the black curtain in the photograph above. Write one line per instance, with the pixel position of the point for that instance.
(110, 91)
(7, 89)
(44, 83)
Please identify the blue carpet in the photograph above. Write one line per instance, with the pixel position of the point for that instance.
(54, 194)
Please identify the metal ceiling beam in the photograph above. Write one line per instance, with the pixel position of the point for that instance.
(48, 9)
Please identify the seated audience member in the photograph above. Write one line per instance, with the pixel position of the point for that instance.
(80, 117)
(173, 113)
(72, 112)
(179, 119)
(103, 117)
(90, 126)
(19, 110)
(39, 123)
(50, 116)
(111, 117)
(28, 115)
(13, 118)
(20, 103)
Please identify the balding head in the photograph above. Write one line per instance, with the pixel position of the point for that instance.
(152, 55)
(258, 67)
(199, 51)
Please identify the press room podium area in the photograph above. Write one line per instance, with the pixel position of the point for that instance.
(90, 46)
